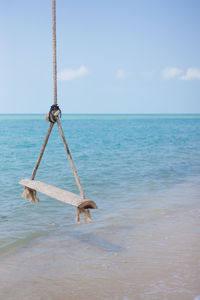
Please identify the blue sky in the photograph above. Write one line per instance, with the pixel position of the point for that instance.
(113, 56)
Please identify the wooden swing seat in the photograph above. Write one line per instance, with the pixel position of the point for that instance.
(58, 194)
(30, 185)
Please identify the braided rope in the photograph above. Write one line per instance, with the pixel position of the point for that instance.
(54, 51)
(53, 117)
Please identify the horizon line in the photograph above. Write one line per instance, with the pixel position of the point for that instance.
(171, 113)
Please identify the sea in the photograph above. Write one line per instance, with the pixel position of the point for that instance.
(143, 172)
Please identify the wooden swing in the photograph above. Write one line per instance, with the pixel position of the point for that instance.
(30, 185)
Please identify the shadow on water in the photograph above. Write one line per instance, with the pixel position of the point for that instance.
(95, 241)
(4, 218)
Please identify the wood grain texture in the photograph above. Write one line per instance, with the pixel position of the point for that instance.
(58, 194)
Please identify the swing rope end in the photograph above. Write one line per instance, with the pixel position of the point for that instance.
(87, 216)
(84, 208)
(30, 194)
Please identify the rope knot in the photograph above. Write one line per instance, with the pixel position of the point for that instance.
(53, 113)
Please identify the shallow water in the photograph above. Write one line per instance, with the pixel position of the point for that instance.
(143, 172)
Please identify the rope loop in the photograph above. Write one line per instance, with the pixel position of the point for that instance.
(53, 113)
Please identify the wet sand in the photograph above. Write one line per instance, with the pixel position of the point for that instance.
(158, 259)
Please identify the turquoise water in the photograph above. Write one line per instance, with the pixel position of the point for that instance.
(123, 162)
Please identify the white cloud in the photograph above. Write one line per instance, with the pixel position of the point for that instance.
(192, 73)
(121, 73)
(70, 74)
(171, 72)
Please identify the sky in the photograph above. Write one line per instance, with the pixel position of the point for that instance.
(113, 56)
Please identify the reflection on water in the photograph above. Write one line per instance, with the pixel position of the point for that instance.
(95, 241)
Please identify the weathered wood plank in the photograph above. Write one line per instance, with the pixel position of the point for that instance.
(57, 193)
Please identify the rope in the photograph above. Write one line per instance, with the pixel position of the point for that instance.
(53, 117)
(54, 51)
(87, 216)
(70, 159)
(42, 151)
(29, 193)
